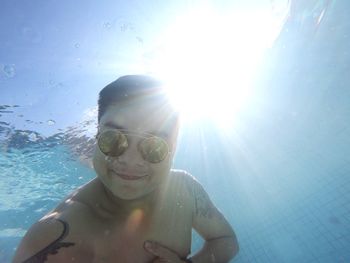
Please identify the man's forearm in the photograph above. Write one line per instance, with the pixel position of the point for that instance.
(218, 250)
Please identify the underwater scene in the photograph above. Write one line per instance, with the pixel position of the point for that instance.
(263, 90)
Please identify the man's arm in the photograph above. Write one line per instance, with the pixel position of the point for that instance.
(44, 238)
(220, 240)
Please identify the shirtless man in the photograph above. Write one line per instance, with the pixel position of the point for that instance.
(137, 210)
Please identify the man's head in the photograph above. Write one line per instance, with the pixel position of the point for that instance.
(135, 108)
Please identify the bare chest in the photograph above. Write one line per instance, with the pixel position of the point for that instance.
(169, 225)
(111, 235)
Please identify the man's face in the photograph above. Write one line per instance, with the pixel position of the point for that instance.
(129, 176)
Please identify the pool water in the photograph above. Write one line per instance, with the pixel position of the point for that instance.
(280, 174)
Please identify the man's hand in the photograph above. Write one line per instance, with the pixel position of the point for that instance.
(163, 254)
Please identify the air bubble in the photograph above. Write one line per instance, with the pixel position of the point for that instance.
(140, 40)
(107, 25)
(51, 122)
(9, 70)
(32, 137)
(179, 204)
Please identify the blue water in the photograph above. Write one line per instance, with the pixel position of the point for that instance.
(281, 175)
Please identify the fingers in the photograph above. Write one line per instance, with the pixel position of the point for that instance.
(164, 254)
(157, 249)
(160, 260)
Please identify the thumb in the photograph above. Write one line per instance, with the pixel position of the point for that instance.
(158, 250)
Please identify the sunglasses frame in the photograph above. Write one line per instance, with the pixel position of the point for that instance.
(126, 133)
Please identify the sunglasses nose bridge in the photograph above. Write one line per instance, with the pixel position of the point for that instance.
(131, 156)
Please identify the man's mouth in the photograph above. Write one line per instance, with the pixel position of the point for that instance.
(129, 176)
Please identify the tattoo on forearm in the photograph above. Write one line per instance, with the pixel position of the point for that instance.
(52, 248)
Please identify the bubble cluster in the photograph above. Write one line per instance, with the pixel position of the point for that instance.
(9, 70)
(107, 25)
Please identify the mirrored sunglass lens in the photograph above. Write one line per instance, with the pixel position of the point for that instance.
(112, 143)
(154, 149)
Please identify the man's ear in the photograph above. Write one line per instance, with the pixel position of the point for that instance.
(98, 132)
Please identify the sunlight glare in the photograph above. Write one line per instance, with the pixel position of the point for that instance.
(210, 59)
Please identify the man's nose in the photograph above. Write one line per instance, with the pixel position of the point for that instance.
(131, 157)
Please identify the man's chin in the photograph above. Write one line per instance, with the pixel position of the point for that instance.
(132, 198)
(129, 194)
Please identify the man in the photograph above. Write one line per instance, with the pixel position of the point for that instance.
(138, 209)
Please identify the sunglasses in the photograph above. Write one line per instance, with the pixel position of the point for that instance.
(113, 143)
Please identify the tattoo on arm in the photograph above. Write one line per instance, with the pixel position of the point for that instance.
(52, 248)
(203, 206)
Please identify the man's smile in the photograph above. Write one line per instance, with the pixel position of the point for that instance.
(128, 176)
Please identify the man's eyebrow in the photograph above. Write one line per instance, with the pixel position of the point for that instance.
(119, 127)
(114, 126)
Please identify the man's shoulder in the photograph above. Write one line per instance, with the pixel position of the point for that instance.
(184, 179)
(76, 208)
(48, 235)
(183, 175)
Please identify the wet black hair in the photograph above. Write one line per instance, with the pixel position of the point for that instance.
(130, 87)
